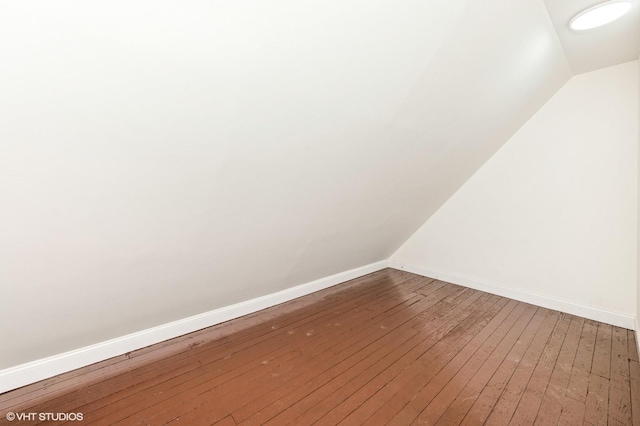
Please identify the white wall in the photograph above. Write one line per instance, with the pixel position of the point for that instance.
(637, 323)
(160, 159)
(554, 212)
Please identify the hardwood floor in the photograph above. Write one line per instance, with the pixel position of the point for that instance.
(387, 348)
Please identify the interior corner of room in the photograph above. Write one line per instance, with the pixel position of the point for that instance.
(169, 166)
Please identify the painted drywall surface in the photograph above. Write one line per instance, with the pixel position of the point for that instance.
(162, 159)
(605, 46)
(499, 66)
(638, 241)
(554, 211)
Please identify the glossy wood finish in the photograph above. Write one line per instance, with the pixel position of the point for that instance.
(388, 348)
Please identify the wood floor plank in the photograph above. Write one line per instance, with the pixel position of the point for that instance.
(439, 392)
(346, 384)
(412, 379)
(507, 403)
(449, 382)
(387, 348)
(632, 345)
(482, 406)
(333, 416)
(458, 409)
(620, 385)
(552, 402)
(227, 421)
(373, 396)
(459, 335)
(572, 412)
(620, 359)
(601, 364)
(527, 409)
(239, 415)
(269, 405)
(399, 341)
(634, 368)
(579, 381)
(619, 406)
(392, 322)
(200, 381)
(597, 406)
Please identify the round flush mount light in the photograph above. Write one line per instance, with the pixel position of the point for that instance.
(600, 14)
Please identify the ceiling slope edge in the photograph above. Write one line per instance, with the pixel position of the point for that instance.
(614, 43)
(487, 80)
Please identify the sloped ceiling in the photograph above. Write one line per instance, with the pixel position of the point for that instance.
(600, 47)
(160, 159)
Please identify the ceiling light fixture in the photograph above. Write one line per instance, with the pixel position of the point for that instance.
(600, 14)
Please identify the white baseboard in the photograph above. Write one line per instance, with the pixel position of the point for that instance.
(637, 330)
(21, 375)
(613, 318)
